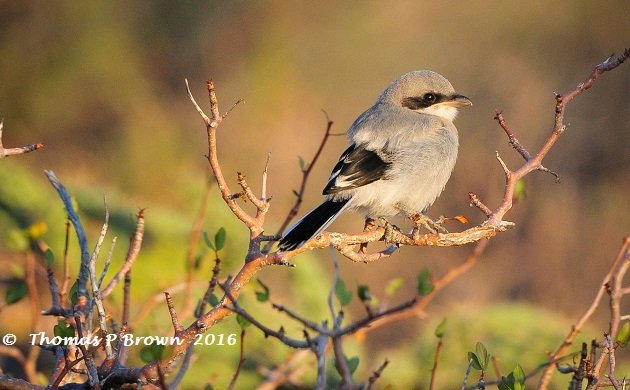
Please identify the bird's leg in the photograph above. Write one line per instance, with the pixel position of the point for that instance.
(369, 226)
(389, 229)
(421, 219)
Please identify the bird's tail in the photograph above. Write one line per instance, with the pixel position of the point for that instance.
(311, 224)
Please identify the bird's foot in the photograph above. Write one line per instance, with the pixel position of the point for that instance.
(389, 229)
(370, 225)
(429, 224)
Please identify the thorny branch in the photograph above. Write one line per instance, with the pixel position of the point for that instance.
(6, 152)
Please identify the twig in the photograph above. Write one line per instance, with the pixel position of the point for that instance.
(84, 270)
(241, 360)
(535, 162)
(177, 327)
(438, 348)
(134, 248)
(13, 151)
(474, 201)
(623, 255)
(96, 295)
(92, 372)
(193, 246)
(377, 374)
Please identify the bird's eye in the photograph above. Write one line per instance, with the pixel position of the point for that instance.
(430, 98)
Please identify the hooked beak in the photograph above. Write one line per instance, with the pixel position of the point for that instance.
(458, 100)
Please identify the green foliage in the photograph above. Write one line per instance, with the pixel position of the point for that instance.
(623, 337)
(73, 294)
(520, 190)
(219, 239)
(242, 321)
(514, 381)
(152, 353)
(49, 257)
(424, 285)
(480, 359)
(301, 162)
(63, 330)
(213, 300)
(363, 292)
(262, 296)
(16, 292)
(440, 329)
(343, 294)
(393, 286)
(16, 240)
(352, 363)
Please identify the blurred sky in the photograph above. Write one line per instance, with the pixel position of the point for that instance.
(101, 83)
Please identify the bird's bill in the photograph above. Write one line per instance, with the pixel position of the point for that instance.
(458, 100)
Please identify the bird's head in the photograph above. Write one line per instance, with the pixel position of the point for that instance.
(426, 92)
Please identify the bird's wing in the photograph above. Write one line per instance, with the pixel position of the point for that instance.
(357, 167)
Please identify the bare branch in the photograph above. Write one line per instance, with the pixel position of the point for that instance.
(20, 150)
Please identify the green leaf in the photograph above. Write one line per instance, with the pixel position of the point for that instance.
(393, 286)
(49, 257)
(63, 330)
(151, 353)
(482, 354)
(206, 239)
(242, 321)
(16, 292)
(213, 300)
(519, 378)
(520, 192)
(363, 291)
(262, 296)
(342, 293)
(219, 239)
(424, 284)
(197, 262)
(623, 337)
(301, 162)
(353, 363)
(74, 293)
(297, 194)
(440, 329)
(474, 361)
(208, 387)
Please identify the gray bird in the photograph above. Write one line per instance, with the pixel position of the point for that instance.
(403, 150)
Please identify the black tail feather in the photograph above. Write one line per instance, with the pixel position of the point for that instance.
(311, 224)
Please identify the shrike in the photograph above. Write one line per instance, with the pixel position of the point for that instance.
(403, 150)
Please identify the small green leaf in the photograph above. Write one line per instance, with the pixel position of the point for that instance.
(63, 330)
(363, 291)
(623, 337)
(424, 284)
(297, 194)
(74, 293)
(262, 296)
(242, 321)
(520, 192)
(219, 239)
(206, 239)
(49, 257)
(482, 354)
(197, 262)
(208, 387)
(16, 292)
(353, 363)
(519, 378)
(393, 286)
(213, 300)
(342, 293)
(474, 361)
(151, 353)
(440, 329)
(301, 162)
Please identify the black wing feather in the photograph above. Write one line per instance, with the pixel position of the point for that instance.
(357, 167)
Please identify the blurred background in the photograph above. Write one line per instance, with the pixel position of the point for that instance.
(102, 85)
